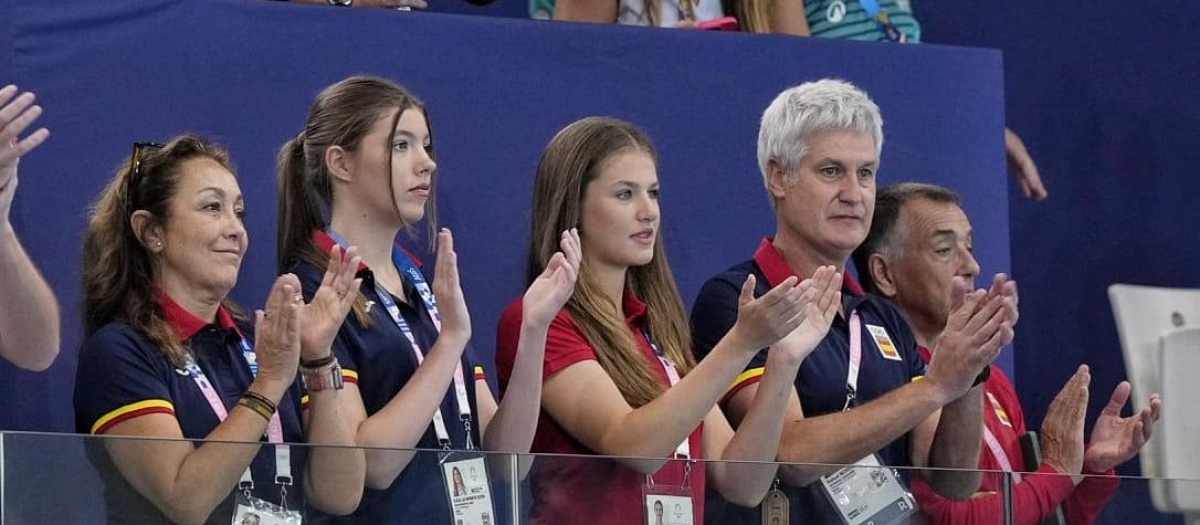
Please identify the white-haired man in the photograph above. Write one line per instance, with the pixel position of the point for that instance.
(864, 395)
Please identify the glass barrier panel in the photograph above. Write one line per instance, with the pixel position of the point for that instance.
(76, 479)
(79, 479)
(607, 490)
(1105, 500)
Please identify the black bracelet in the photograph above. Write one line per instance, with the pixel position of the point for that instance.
(250, 394)
(983, 376)
(317, 363)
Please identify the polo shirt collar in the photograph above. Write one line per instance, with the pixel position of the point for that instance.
(184, 323)
(633, 307)
(326, 242)
(776, 268)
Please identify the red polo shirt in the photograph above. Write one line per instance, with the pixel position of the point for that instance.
(1035, 497)
(587, 489)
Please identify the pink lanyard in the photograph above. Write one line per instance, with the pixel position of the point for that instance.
(283, 462)
(998, 453)
(855, 360)
(682, 451)
(405, 265)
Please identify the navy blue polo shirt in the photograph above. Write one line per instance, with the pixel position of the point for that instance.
(122, 376)
(378, 358)
(821, 381)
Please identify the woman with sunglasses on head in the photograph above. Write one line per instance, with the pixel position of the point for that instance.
(29, 324)
(619, 379)
(169, 356)
(362, 171)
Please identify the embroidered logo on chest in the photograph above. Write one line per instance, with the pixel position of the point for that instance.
(1000, 412)
(884, 343)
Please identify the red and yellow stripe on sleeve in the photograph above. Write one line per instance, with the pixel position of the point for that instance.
(479, 374)
(745, 379)
(348, 376)
(130, 411)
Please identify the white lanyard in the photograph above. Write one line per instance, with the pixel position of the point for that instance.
(682, 451)
(283, 461)
(855, 359)
(406, 266)
(999, 454)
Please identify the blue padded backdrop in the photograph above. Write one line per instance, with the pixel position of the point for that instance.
(244, 72)
(1105, 96)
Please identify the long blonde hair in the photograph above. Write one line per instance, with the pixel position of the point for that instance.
(570, 162)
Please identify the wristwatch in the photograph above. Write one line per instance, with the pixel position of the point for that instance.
(983, 376)
(324, 377)
(343, 3)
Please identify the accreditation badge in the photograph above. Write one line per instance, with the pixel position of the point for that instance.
(249, 510)
(868, 494)
(776, 509)
(668, 505)
(468, 489)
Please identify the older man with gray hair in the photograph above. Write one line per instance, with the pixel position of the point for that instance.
(857, 399)
(920, 242)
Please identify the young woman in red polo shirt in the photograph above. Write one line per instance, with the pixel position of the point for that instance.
(619, 379)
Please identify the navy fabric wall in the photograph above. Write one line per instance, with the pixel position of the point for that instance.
(1105, 96)
(245, 72)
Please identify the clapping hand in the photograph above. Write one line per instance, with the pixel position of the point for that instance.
(456, 320)
(765, 320)
(553, 288)
(1116, 439)
(323, 316)
(277, 334)
(822, 300)
(1062, 428)
(16, 114)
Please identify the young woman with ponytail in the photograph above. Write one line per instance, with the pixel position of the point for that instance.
(361, 173)
(619, 379)
(169, 356)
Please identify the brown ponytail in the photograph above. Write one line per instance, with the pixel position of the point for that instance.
(341, 115)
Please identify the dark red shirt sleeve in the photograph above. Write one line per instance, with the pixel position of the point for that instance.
(565, 344)
(1034, 498)
(1090, 497)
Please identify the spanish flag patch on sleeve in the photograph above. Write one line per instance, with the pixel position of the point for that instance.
(745, 379)
(130, 411)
